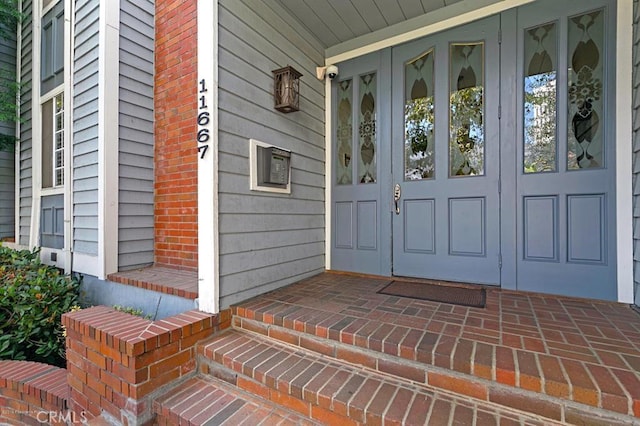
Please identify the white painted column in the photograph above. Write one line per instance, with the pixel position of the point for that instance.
(328, 161)
(18, 129)
(624, 150)
(205, 146)
(69, 43)
(36, 129)
(109, 68)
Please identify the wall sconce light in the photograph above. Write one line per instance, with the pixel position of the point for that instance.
(286, 89)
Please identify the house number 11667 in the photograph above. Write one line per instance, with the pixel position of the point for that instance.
(203, 120)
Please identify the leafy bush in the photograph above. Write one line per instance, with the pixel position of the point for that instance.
(33, 296)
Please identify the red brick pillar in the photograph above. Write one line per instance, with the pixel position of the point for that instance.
(118, 363)
(176, 183)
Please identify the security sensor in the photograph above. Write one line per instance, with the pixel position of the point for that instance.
(332, 71)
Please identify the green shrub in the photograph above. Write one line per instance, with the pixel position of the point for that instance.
(33, 297)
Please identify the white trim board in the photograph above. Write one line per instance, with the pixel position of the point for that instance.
(208, 261)
(108, 142)
(624, 143)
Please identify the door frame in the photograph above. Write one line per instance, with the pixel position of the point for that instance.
(451, 17)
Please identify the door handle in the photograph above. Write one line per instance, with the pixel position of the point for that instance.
(397, 192)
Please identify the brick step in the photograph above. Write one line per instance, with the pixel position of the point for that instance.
(434, 378)
(206, 400)
(332, 391)
(567, 376)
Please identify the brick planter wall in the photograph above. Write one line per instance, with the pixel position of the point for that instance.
(176, 184)
(118, 363)
(34, 393)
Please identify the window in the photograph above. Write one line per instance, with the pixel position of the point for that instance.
(53, 142)
(52, 49)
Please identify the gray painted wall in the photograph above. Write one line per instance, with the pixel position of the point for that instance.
(158, 305)
(136, 182)
(636, 149)
(7, 159)
(25, 127)
(85, 127)
(267, 240)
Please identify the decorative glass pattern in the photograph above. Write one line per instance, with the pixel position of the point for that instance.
(344, 136)
(419, 153)
(466, 109)
(540, 96)
(367, 129)
(585, 91)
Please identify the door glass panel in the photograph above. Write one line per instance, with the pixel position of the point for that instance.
(367, 129)
(540, 69)
(466, 112)
(419, 153)
(344, 135)
(585, 91)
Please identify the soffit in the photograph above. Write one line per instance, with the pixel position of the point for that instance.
(333, 22)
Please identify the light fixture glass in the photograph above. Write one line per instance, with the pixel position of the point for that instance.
(286, 89)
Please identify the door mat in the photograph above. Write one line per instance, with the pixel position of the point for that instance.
(464, 296)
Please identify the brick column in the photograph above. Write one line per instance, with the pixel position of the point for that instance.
(176, 180)
(118, 363)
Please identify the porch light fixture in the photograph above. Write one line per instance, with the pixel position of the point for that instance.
(286, 89)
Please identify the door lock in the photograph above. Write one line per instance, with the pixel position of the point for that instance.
(397, 192)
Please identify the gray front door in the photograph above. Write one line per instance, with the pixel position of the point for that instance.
(565, 174)
(360, 216)
(446, 155)
(483, 154)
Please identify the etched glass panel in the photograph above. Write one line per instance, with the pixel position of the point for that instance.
(466, 109)
(367, 129)
(419, 153)
(585, 90)
(540, 95)
(344, 136)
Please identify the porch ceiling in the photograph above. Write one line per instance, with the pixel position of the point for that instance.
(336, 21)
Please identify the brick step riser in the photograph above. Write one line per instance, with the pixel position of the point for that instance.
(271, 395)
(430, 377)
(562, 377)
(344, 394)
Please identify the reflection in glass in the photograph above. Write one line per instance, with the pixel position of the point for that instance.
(540, 61)
(466, 125)
(585, 97)
(344, 135)
(419, 155)
(367, 129)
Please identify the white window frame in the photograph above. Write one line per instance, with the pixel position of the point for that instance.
(50, 96)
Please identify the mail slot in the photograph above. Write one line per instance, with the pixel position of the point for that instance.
(273, 166)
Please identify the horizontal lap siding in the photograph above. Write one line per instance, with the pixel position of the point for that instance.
(26, 66)
(636, 147)
(267, 240)
(136, 180)
(85, 127)
(7, 158)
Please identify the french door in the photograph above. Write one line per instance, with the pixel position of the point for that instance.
(446, 155)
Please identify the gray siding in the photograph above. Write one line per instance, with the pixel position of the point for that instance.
(267, 240)
(636, 148)
(25, 127)
(7, 159)
(85, 127)
(136, 179)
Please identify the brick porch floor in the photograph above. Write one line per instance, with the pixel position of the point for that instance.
(578, 350)
(162, 279)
